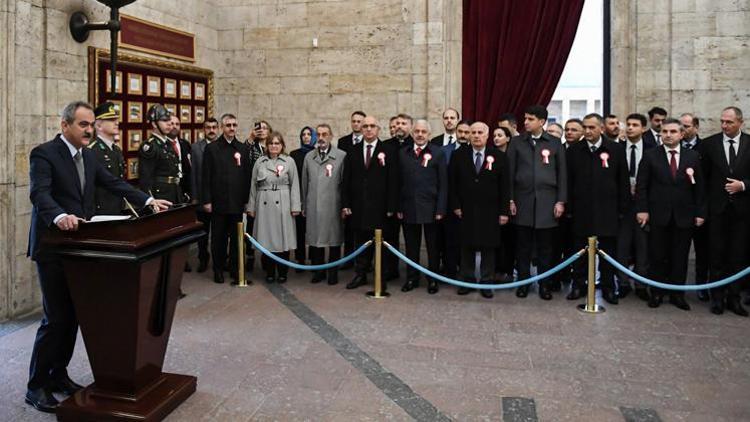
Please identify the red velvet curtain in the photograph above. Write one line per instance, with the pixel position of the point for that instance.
(514, 53)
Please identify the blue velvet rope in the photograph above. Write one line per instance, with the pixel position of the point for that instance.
(459, 283)
(679, 287)
(297, 266)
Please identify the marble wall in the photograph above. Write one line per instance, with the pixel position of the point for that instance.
(684, 55)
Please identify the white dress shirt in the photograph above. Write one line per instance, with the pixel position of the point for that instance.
(447, 138)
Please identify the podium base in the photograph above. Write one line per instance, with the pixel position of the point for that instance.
(155, 405)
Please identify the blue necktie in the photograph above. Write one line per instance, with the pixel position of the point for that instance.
(478, 162)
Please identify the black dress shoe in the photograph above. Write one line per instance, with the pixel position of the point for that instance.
(64, 385)
(318, 277)
(487, 293)
(410, 285)
(703, 296)
(654, 301)
(717, 307)
(218, 278)
(734, 305)
(432, 287)
(624, 291)
(202, 266)
(281, 279)
(575, 293)
(642, 294)
(188, 268)
(357, 281)
(544, 293)
(270, 279)
(42, 400)
(610, 297)
(679, 302)
(462, 291)
(522, 291)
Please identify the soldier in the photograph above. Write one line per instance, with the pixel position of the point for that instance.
(160, 170)
(109, 155)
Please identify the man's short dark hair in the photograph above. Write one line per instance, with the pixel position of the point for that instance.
(358, 113)
(392, 118)
(638, 116)
(211, 119)
(656, 110)
(610, 116)
(464, 122)
(508, 117)
(458, 115)
(405, 116)
(596, 116)
(672, 121)
(737, 111)
(325, 125)
(575, 120)
(538, 111)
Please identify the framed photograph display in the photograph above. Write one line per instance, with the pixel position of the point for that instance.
(186, 90)
(135, 112)
(199, 134)
(186, 114)
(153, 86)
(200, 114)
(170, 88)
(135, 84)
(132, 167)
(135, 137)
(118, 82)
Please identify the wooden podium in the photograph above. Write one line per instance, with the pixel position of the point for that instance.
(124, 279)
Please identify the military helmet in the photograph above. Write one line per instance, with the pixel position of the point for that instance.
(158, 112)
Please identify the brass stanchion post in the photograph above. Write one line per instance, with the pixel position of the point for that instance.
(590, 307)
(378, 292)
(241, 282)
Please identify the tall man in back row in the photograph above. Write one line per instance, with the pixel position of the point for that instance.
(64, 175)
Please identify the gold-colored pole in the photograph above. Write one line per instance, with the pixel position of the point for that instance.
(591, 307)
(378, 292)
(241, 282)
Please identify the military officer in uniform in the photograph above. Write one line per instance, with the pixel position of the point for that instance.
(109, 155)
(160, 170)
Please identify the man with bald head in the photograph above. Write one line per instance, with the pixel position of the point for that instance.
(370, 194)
(479, 195)
(422, 201)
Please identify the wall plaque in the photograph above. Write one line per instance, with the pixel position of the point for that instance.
(137, 34)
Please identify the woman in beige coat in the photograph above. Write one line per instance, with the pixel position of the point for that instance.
(274, 202)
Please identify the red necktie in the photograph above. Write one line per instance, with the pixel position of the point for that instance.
(673, 164)
(176, 150)
(368, 156)
(418, 151)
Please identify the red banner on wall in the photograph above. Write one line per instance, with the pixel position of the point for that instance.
(137, 34)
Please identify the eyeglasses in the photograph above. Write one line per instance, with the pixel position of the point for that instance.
(369, 126)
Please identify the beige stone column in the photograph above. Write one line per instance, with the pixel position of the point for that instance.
(7, 184)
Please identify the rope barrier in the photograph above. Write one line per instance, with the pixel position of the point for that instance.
(297, 266)
(679, 287)
(459, 283)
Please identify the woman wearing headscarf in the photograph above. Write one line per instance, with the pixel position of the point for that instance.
(274, 203)
(307, 140)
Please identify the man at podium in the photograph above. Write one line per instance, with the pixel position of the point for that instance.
(64, 176)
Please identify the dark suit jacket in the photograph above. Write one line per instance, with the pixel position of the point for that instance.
(716, 169)
(187, 169)
(448, 151)
(630, 209)
(424, 189)
(536, 186)
(597, 195)
(345, 143)
(196, 174)
(370, 192)
(226, 185)
(482, 197)
(394, 142)
(55, 189)
(649, 141)
(438, 140)
(663, 197)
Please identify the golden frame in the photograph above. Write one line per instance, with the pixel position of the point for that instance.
(199, 92)
(132, 168)
(136, 117)
(172, 108)
(119, 107)
(136, 89)
(134, 144)
(100, 54)
(186, 114)
(199, 114)
(156, 91)
(186, 134)
(118, 82)
(170, 83)
(186, 90)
